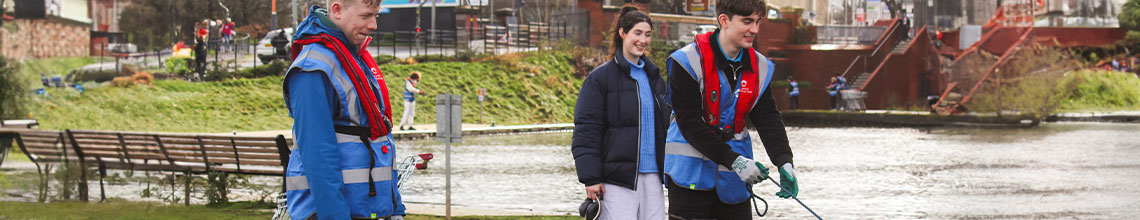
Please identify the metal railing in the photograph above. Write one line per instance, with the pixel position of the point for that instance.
(848, 34)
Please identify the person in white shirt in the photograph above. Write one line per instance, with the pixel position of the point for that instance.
(410, 92)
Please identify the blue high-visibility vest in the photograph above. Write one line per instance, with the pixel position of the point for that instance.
(686, 166)
(354, 158)
(795, 88)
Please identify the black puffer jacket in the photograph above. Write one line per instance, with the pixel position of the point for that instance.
(606, 129)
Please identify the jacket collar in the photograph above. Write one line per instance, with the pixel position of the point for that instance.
(722, 61)
(623, 65)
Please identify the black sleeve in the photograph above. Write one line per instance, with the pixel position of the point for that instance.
(766, 118)
(589, 128)
(687, 104)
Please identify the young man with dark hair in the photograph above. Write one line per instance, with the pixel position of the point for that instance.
(714, 84)
(342, 165)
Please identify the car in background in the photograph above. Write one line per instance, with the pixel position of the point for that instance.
(122, 48)
(686, 38)
(265, 51)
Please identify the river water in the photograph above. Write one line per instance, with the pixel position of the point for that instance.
(1057, 170)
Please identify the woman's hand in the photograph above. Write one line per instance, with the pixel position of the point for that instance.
(595, 191)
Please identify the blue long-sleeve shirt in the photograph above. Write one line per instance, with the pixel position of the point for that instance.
(646, 164)
(313, 101)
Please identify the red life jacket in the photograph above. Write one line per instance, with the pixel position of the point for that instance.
(749, 87)
(378, 121)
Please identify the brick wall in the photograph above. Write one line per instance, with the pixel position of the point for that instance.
(45, 38)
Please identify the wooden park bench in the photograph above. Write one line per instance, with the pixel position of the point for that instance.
(186, 153)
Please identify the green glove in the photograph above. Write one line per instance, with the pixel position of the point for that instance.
(788, 181)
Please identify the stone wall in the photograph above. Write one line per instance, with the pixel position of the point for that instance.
(44, 38)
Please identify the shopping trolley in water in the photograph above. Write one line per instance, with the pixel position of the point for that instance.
(852, 100)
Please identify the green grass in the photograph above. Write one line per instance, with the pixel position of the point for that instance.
(1102, 91)
(30, 69)
(515, 95)
(132, 210)
(151, 210)
(168, 106)
(529, 88)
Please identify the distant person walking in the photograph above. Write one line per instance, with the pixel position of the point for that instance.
(200, 50)
(410, 91)
(228, 34)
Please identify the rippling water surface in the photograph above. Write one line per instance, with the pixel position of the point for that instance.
(1060, 170)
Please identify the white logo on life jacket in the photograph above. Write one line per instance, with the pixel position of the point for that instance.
(744, 89)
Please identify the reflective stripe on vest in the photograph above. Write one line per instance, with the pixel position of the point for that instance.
(409, 95)
(349, 176)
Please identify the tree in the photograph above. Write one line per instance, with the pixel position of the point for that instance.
(13, 91)
(895, 7)
(1130, 15)
(153, 24)
(668, 6)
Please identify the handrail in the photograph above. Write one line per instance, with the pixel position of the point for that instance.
(882, 41)
(1008, 52)
(894, 27)
(849, 66)
(889, 56)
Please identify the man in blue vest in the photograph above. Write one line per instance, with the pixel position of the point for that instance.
(714, 84)
(342, 164)
(793, 93)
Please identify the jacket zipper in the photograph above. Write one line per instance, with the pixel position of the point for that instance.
(637, 171)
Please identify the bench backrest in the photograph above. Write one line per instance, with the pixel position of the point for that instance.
(151, 151)
(227, 153)
(122, 150)
(42, 146)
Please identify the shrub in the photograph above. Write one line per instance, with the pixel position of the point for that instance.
(427, 58)
(276, 68)
(13, 91)
(384, 59)
(179, 66)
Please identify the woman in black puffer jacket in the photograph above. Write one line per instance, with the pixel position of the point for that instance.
(620, 123)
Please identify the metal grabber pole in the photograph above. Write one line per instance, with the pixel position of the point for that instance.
(781, 189)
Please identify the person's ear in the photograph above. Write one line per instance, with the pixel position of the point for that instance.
(336, 9)
(722, 20)
(621, 32)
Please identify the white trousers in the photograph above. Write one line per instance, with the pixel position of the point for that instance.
(409, 113)
(647, 202)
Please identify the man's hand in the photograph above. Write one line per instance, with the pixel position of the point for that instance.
(421, 92)
(749, 170)
(595, 191)
(788, 181)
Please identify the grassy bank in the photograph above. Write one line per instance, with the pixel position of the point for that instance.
(521, 89)
(31, 69)
(1102, 91)
(150, 210)
(527, 88)
(167, 106)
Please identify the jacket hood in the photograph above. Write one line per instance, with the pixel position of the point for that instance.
(318, 22)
